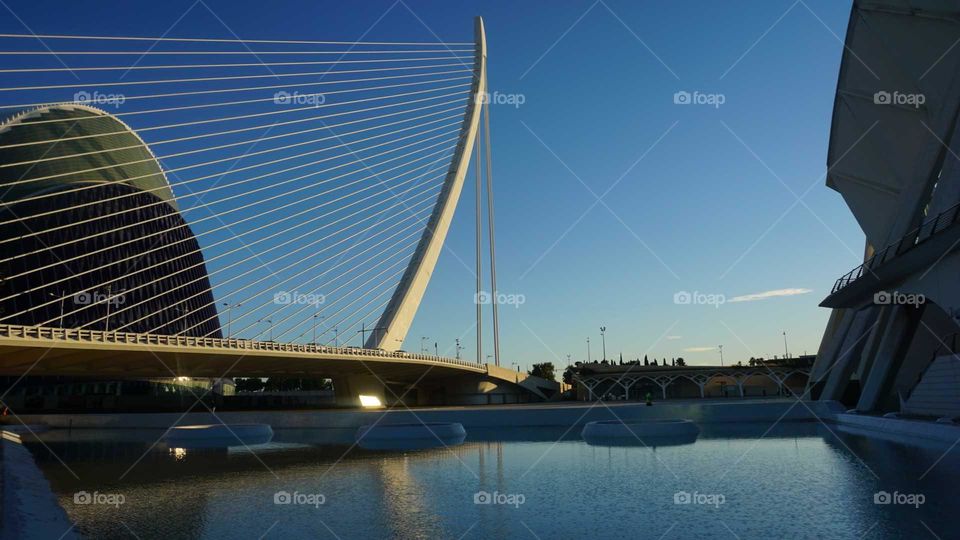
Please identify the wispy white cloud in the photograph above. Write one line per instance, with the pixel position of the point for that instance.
(674, 338)
(769, 294)
(698, 349)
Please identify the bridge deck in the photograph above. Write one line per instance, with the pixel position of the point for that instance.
(57, 351)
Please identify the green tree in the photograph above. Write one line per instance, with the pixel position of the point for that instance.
(568, 375)
(544, 370)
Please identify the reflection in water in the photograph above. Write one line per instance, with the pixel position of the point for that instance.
(646, 441)
(791, 480)
(409, 444)
(178, 454)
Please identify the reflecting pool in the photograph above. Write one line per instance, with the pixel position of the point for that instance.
(796, 480)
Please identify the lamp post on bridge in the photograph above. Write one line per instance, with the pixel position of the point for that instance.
(62, 297)
(230, 316)
(315, 317)
(603, 336)
(721, 354)
(458, 348)
(107, 321)
(363, 333)
(270, 322)
(786, 352)
(588, 350)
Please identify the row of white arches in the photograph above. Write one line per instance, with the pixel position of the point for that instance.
(627, 380)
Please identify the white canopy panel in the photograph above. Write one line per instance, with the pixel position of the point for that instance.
(897, 99)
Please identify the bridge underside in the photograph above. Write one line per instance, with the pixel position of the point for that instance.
(383, 381)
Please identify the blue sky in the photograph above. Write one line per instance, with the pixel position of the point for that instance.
(726, 200)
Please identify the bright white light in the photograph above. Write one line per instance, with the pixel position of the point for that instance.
(370, 401)
(182, 379)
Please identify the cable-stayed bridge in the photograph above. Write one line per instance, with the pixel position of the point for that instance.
(222, 207)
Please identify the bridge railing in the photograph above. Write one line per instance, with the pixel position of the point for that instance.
(101, 336)
(912, 239)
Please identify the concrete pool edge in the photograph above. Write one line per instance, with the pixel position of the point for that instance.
(717, 411)
(900, 429)
(30, 508)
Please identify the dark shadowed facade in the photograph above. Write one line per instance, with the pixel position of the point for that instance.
(122, 228)
(91, 237)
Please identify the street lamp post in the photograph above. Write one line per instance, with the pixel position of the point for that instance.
(108, 309)
(62, 298)
(786, 352)
(315, 317)
(721, 354)
(603, 336)
(436, 349)
(230, 316)
(270, 322)
(588, 351)
(458, 348)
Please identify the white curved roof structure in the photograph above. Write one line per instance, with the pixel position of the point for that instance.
(896, 102)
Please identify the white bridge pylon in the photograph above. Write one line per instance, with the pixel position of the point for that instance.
(286, 191)
(399, 313)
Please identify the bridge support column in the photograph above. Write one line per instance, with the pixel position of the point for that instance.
(348, 390)
(896, 339)
(848, 355)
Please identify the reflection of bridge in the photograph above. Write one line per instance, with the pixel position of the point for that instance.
(323, 229)
(634, 382)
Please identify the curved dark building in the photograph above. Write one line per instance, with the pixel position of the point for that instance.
(60, 259)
